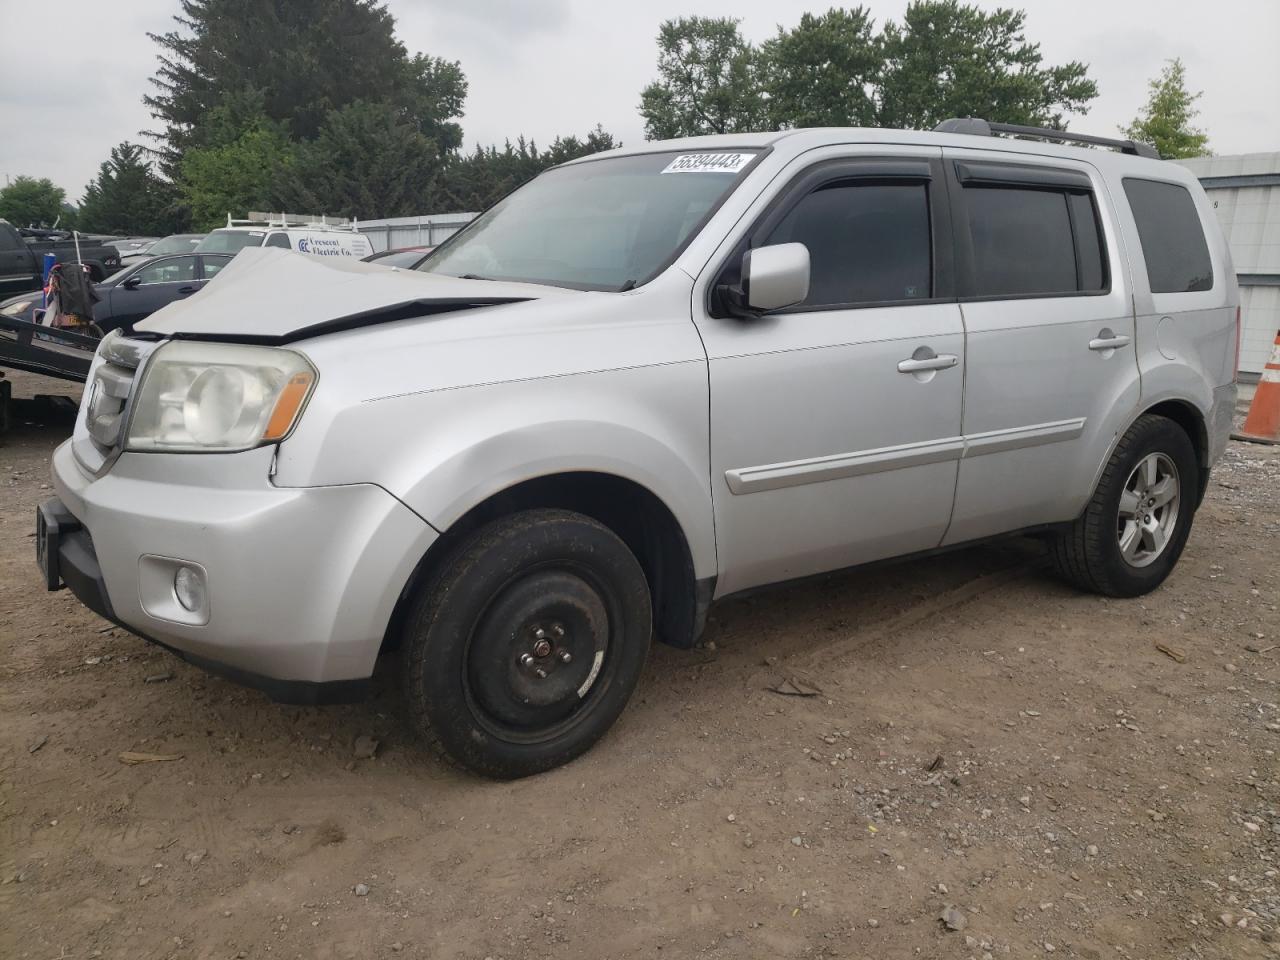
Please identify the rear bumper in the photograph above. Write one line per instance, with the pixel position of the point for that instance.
(302, 583)
(1221, 416)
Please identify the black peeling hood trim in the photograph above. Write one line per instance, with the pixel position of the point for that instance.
(407, 310)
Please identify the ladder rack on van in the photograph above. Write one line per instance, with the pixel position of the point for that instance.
(283, 221)
(978, 127)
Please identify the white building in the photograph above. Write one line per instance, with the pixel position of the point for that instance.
(1245, 192)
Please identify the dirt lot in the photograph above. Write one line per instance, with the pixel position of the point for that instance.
(985, 739)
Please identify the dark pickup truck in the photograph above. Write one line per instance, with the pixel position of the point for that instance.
(22, 259)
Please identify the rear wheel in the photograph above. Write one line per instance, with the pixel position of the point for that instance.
(1133, 531)
(524, 646)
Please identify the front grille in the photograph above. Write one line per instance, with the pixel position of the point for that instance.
(106, 402)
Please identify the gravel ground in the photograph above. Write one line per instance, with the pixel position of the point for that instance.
(987, 750)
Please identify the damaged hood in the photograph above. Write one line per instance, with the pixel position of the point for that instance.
(269, 295)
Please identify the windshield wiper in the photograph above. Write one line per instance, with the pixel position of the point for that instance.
(475, 276)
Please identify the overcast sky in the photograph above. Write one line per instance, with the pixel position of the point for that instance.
(71, 83)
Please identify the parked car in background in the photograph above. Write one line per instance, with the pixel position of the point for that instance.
(316, 236)
(22, 258)
(174, 243)
(132, 247)
(646, 380)
(407, 258)
(136, 292)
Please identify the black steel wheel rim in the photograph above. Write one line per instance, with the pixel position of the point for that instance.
(539, 656)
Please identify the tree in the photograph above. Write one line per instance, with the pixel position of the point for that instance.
(945, 59)
(126, 197)
(949, 59)
(707, 81)
(301, 60)
(366, 161)
(28, 202)
(824, 72)
(245, 172)
(1165, 122)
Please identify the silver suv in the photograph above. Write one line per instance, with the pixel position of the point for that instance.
(644, 381)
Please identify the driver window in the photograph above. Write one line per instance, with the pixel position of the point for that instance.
(868, 242)
(278, 240)
(175, 270)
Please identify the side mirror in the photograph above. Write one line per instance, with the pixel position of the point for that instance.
(772, 278)
(132, 283)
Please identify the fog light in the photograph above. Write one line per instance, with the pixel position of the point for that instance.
(188, 587)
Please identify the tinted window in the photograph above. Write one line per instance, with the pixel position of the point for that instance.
(9, 239)
(1172, 238)
(278, 240)
(173, 270)
(867, 243)
(1090, 251)
(213, 264)
(1022, 241)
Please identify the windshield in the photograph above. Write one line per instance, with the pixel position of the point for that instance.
(398, 258)
(179, 243)
(606, 224)
(230, 241)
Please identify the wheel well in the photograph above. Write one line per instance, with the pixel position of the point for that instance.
(637, 516)
(1189, 419)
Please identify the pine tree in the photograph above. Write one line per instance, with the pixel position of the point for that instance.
(1165, 122)
(126, 197)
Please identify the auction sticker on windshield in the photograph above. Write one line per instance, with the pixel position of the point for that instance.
(709, 163)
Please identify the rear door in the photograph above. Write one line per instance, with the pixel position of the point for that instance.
(210, 264)
(835, 424)
(1052, 367)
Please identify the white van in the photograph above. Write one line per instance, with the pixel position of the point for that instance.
(318, 236)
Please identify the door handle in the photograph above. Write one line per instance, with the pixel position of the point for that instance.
(940, 362)
(185, 290)
(1108, 342)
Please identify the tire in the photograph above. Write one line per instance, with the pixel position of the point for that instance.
(523, 646)
(1133, 531)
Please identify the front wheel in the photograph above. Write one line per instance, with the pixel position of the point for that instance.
(1132, 532)
(524, 645)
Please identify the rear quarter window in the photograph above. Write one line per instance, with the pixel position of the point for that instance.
(1171, 235)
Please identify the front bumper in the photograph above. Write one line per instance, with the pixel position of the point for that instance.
(302, 582)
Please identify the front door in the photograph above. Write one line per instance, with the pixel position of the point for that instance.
(836, 424)
(151, 286)
(1052, 364)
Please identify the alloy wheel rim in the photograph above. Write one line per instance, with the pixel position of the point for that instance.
(1148, 511)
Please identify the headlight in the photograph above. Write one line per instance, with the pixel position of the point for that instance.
(16, 309)
(197, 397)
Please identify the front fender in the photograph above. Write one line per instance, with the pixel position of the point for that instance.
(443, 452)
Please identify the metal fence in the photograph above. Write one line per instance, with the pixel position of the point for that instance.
(424, 231)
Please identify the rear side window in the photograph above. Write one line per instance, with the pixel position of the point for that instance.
(1172, 239)
(1034, 241)
(868, 242)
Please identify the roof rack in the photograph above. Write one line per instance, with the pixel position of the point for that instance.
(976, 126)
(282, 221)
